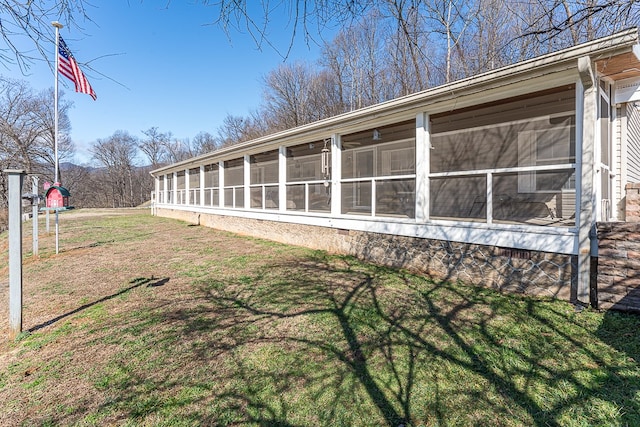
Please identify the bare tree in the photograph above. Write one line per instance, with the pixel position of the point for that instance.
(117, 154)
(85, 186)
(27, 130)
(407, 48)
(287, 95)
(306, 18)
(559, 23)
(232, 130)
(178, 150)
(44, 118)
(204, 142)
(154, 146)
(32, 19)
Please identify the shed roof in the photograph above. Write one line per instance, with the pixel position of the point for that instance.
(63, 191)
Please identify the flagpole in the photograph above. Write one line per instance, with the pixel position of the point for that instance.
(55, 101)
(55, 115)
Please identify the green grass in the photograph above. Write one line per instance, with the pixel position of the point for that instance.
(309, 338)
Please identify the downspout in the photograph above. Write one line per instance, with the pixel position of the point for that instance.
(586, 218)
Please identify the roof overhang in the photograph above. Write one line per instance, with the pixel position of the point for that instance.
(616, 57)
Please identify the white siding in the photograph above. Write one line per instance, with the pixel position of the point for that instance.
(618, 147)
(633, 143)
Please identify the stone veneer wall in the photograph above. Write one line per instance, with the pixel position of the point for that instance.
(618, 266)
(632, 202)
(510, 270)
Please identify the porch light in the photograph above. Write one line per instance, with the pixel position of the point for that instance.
(377, 136)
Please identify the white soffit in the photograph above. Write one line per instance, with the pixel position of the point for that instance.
(627, 90)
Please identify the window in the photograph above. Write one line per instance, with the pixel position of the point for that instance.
(181, 191)
(305, 189)
(211, 185)
(194, 186)
(170, 195)
(553, 143)
(264, 180)
(378, 171)
(524, 148)
(234, 183)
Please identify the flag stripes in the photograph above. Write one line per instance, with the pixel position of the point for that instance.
(68, 67)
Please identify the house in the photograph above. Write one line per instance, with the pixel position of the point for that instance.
(499, 179)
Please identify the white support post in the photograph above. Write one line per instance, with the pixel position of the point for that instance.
(201, 185)
(174, 188)
(336, 175)
(587, 107)
(221, 201)
(282, 178)
(614, 166)
(156, 195)
(423, 155)
(16, 179)
(187, 186)
(34, 214)
(489, 197)
(165, 190)
(247, 181)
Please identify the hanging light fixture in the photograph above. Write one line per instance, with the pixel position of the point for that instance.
(325, 162)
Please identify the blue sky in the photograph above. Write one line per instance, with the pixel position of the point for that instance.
(163, 64)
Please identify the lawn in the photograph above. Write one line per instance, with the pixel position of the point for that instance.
(144, 321)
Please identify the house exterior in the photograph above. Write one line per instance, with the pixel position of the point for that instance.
(499, 179)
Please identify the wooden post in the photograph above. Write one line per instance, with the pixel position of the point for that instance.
(16, 179)
(34, 215)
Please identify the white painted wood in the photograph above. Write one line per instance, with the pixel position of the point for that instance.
(627, 90)
(282, 178)
(549, 239)
(221, 183)
(585, 144)
(202, 185)
(336, 175)
(423, 152)
(247, 181)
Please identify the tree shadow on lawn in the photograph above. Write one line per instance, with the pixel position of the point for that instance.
(328, 341)
(135, 283)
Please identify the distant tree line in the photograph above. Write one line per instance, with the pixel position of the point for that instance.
(385, 49)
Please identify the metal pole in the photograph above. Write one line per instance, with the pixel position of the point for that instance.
(55, 145)
(34, 215)
(55, 101)
(16, 179)
(57, 240)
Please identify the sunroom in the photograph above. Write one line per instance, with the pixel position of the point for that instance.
(527, 157)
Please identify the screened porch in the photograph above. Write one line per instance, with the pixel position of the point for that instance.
(510, 162)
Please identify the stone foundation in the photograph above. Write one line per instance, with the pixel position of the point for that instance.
(632, 202)
(509, 270)
(618, 266)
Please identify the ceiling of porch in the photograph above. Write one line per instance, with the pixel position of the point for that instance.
(624, 66)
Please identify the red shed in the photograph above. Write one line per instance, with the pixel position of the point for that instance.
(57, 197)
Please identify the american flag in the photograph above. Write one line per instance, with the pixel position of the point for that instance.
(68, 67)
